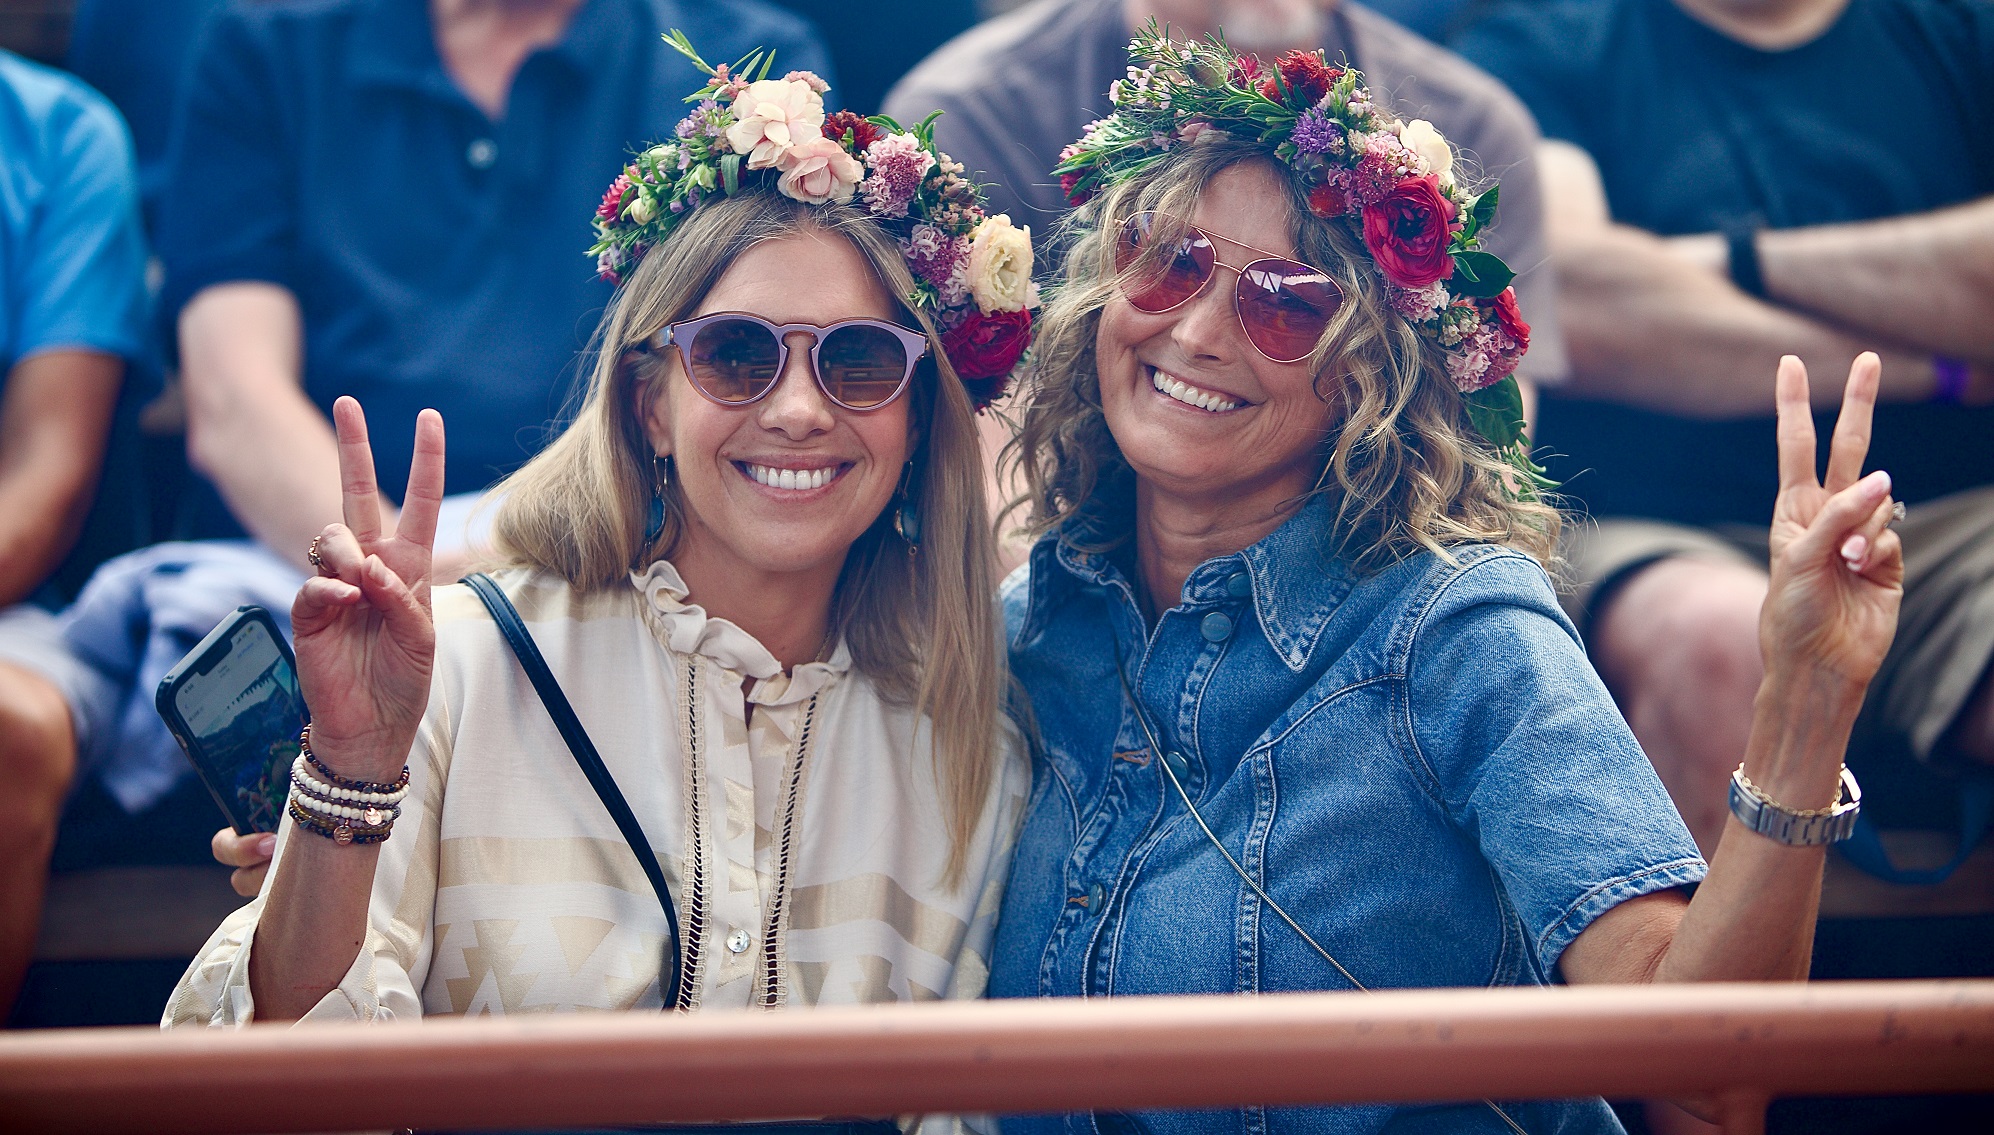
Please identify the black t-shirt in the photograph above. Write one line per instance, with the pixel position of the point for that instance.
(1890, 111)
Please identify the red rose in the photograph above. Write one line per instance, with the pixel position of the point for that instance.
(1511, 319)
(612, 200)
(1407, 231)
(843, 122)
(986, 346)
(1327, 200)
(1069, 184)
(1307, 78)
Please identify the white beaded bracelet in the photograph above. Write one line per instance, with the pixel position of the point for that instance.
(304, 780)
(373, 815)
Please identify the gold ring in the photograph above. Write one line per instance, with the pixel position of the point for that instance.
(311, 554)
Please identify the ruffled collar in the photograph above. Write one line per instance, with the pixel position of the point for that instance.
(688, 629)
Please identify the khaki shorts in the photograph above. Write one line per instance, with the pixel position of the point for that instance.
(1945, 630)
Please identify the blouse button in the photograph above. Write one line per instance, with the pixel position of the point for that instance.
(1216, 627)
(737, 942)
(1240, 586)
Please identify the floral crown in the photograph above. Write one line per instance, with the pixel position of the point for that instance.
(972, 272)
(1391, 181)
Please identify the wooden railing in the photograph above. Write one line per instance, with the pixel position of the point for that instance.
(1737, 1044)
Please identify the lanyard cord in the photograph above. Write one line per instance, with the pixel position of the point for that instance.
(1149, 735)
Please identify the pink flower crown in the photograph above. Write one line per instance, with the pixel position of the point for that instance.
(972, 272)
(1391, 181)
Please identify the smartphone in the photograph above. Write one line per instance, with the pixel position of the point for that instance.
(234, 705)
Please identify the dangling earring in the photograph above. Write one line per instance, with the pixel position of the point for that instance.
(661, 475)
(907, 516)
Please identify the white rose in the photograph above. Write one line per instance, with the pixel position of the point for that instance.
(642, 209)
(1000, 265)
(1421, 138)
(818, 170)
(770, 116)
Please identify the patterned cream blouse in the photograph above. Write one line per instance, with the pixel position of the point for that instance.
(805, 846)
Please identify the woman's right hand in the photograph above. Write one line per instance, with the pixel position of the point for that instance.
(362, 629)
(248, 854)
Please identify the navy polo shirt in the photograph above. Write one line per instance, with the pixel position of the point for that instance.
(437, 255)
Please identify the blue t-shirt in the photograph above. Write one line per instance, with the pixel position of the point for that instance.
(437, 255)
(1419, 766)
(72, 254)
(1889, 111)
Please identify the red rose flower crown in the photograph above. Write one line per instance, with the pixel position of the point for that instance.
(972, 271)
(1391, 181)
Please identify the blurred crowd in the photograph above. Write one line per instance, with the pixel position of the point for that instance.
(216, 218)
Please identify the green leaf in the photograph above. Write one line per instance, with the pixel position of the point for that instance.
(1497, 412)
(1479, 274)
(1484, 207)
(730, 174)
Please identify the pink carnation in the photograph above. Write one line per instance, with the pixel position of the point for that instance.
(1417, 305)
(941, 260)
(898, 163)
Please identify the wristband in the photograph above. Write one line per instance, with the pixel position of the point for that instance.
(1799, 827)
(1953, 377)
(1741, 237)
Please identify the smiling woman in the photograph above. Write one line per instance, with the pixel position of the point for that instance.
(756, 564)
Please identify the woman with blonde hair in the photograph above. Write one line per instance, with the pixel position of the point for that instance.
(766, 763)
(1310, 715)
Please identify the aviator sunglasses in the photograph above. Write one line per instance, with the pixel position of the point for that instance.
(734, 358)
(1283, 305)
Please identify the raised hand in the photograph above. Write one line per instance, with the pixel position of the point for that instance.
(362, 627)
(1837, 568)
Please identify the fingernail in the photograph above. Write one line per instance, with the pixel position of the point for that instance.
(267, 845)
(1854, 548)
(1877, 484)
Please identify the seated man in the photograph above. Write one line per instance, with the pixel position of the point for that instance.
(72, 313)
(1730, 182)
(1016, 89)
(366, 197)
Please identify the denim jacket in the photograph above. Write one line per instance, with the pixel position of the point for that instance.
(1419, 765)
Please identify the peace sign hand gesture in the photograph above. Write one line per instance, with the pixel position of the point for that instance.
(1837, 568)
(364, 636)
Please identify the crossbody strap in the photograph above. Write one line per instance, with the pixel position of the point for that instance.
(523, 647)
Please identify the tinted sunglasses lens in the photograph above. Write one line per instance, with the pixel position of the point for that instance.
(1160, 287)
(862, 366)
(1285, 307)
(734, 360)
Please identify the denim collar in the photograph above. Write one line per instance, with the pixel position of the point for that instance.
(1298, 582)
(394, 44)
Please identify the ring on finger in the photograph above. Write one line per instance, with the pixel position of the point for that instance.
(317, 560)
(1897, 512)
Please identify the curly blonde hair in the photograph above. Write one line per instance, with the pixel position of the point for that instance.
(1409, 471)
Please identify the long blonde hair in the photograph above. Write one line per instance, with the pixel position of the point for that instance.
(921, 627)
(1408, 469)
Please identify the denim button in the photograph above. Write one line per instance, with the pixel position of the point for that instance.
(481, 153)
(1239, 586)
(1094, 896)
(1216, 627)
(1179, 767)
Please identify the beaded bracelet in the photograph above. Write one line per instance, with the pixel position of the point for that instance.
(342, 833)
(312, 786)
(372, 815)
(333, 778)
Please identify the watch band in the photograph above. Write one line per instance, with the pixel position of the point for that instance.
(1741, 238)
(1800, 827)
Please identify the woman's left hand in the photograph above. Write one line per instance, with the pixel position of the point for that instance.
(1837, 568)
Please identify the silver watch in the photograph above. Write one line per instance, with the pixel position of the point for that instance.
(1800, 827)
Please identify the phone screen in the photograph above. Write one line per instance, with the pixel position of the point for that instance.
(244, 714)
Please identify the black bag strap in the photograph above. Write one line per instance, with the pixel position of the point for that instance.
(523, 647)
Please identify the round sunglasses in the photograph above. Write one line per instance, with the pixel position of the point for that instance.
(735, 358)
(1283, 305)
